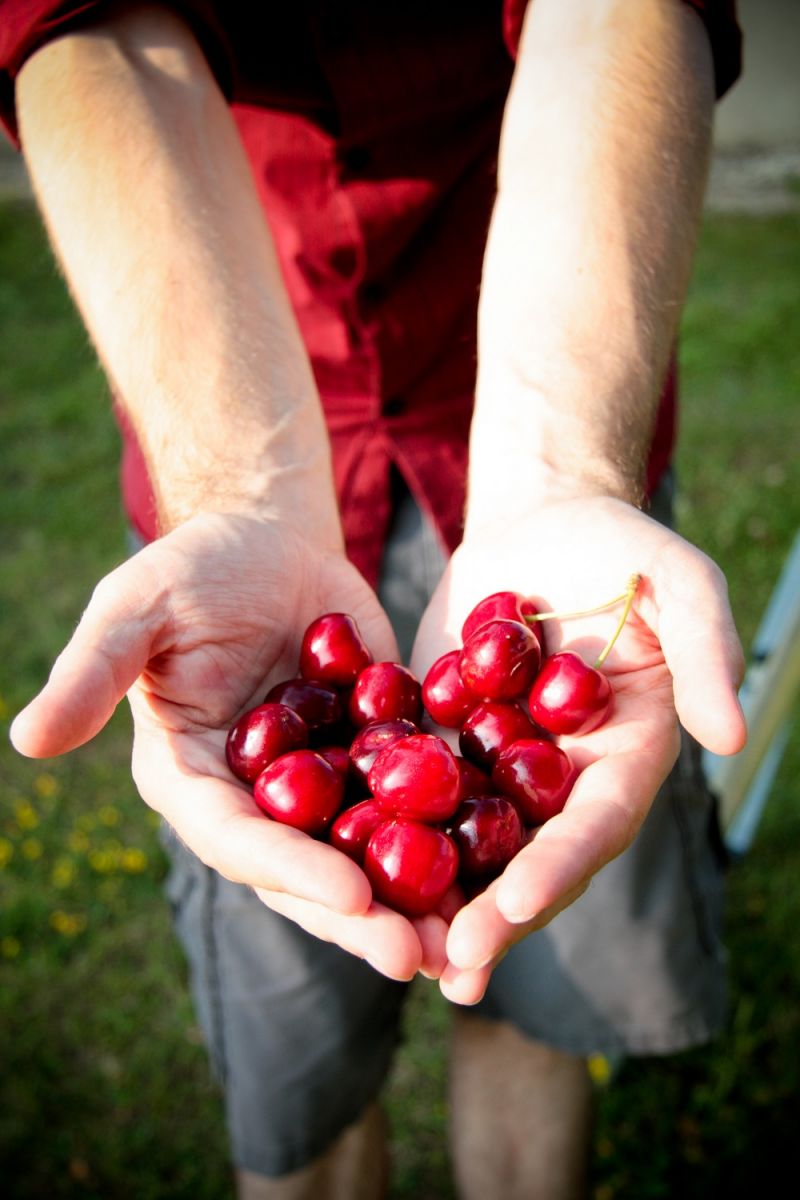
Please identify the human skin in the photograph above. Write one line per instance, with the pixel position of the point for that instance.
(586, 267)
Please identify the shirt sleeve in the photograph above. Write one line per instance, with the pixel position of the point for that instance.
(27, 25)
(718, 16)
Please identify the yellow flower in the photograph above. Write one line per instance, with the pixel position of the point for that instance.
(6, 852)
(45, 784)
(108, 815)
(67, 923)
(78, 842)
(9, 946)
(599, 1069)
(134, 861)
(32, 848)
(63, 873)
(26, 815)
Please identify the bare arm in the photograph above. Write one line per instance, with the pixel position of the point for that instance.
(139, 170)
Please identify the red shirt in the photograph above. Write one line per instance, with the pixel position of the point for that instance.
(372, 132)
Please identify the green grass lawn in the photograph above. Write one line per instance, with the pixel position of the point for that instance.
(104, 1090)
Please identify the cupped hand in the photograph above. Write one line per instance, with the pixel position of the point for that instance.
(195, 629)
(677, 659)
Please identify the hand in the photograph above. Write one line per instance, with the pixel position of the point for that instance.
(195, 629)
(678, 657)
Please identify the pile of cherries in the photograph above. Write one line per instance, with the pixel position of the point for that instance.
(342, 752)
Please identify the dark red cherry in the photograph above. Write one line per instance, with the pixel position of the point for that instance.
(490, 728)
(499, 660)
(416, 777)
(333, 651)
(472, 781)
(262, 735)
(445, 695)
(569, 696)
(300, 789)
(354, 826)
(537, 775)
(385, 691)
(338, 757)
(369, 741)
(319, 705)
(488, 832)
(411, 866)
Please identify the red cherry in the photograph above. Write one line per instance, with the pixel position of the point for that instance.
(487, 831)
(385, 691)
(569, 696)
(338, 757)
(354, 826)
(410, 866)
(300, 789)
(512, 606)
(369, 741)
(499, 660)
(262, 735)
(333, 651)
(537, 775)
(444, 693)
(318, 705)
(490, 728)
(416, 777)
(471, 780)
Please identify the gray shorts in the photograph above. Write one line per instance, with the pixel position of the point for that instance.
(302, 1034)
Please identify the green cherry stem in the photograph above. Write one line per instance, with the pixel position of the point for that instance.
(630, 593)
(532, 618)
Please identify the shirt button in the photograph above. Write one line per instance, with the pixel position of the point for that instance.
(393, 406)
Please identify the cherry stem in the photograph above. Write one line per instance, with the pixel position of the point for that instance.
(531, 618)
(630, 593)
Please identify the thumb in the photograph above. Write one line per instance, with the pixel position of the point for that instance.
(110, 648)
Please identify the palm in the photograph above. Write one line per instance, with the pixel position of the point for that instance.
(678, 648)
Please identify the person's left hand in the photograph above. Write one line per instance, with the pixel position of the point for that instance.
(678, 657)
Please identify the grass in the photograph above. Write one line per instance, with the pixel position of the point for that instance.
(105, 1091)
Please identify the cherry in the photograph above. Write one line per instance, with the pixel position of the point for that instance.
(260, 736)
(369, 741)
(490, 727)
(471, 780)
(385, 691)
(338, 757)
(416, 777)
(444, 693)
(488, 832)
(537, 775)
(300, 789)
(319, 705)
(354, 826)
(569, 696)
(333, 651)
(411, 866)
(499, 660)
(512, 606)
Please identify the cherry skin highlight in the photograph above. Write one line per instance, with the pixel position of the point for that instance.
(301, 789)
(385, 691)
(499, 661)
(512, 606)
(262, 735)
(411, 866)
(333, 651)
(416, 777)
(569, 696)
(537, 775)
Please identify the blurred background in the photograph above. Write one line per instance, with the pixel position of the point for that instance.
(104, 1090)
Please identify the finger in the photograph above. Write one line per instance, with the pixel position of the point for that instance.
(105, 655)
(464, 987)
(387, 941)
(432, 934)
(698, 636)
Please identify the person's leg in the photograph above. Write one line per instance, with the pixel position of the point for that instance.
(520, 1115)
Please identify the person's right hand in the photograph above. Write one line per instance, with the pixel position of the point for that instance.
(195, 628)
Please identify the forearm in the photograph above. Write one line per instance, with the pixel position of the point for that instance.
(601, 176)
(149, 200)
